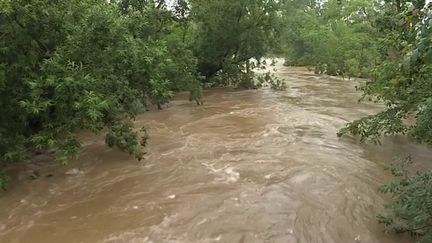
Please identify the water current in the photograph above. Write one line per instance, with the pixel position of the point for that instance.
(247, 166)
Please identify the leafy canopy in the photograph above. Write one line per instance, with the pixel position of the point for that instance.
(69, 66)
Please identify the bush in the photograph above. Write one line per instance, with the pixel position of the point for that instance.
(410, 209)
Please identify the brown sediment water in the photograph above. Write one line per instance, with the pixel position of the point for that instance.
(247, 166)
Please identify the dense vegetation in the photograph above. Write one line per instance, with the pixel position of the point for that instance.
(68, 66)
(335, 38)
(402, 80)
(390, 43)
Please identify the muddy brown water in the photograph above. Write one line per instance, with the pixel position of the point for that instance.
(248, 166)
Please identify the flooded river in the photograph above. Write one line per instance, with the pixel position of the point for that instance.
(248, 166)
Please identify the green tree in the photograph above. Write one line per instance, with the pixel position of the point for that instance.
(336, 38)
(403, 82)
(68, 66)
(228, 34)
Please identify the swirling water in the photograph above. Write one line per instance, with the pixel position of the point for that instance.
(247, 166)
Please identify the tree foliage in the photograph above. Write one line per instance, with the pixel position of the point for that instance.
(74, 65)
(229, 33)
(69, 66)
(411, 207)
(336, 37)
(403, 82)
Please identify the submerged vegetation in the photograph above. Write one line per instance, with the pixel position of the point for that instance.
(402, 80)
(69, 66)
(390, 43)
